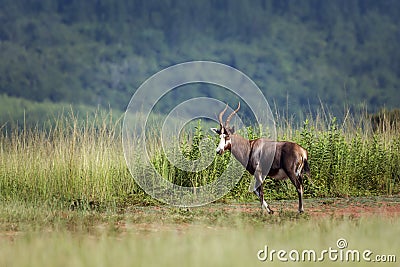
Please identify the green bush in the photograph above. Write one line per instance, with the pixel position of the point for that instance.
(75, 164)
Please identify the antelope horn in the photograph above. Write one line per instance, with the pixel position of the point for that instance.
(222, 114)
(231, 115)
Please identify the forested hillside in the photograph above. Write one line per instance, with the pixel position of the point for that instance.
(342, 53)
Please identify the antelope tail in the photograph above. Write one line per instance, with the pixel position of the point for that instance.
(306, 169)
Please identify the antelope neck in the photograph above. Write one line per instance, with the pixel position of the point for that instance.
(240, 148)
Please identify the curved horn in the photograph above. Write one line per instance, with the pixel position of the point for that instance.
(231, 115)
(222, 114)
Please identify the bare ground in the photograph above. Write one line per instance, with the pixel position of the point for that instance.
(355, 207)
(143, 220)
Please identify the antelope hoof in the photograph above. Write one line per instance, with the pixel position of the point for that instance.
(301, 211)
(270, 211)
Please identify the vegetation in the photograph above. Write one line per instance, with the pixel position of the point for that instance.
(87, 52)
(67, 197)
(38, 236)
(82, 166)
(17, 114)
(385, 120)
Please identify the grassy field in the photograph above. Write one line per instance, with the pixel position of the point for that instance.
(214, 235)
(80, 164)
(68, 199)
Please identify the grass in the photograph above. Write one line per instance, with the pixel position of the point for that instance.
(80, 164)
(68, 199)
(151, 236)
(72, 165)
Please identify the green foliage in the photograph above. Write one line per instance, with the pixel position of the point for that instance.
(345, 160)
(353, 161)
(19, 113)
(191, 150)
(80, 165)
(87, 52)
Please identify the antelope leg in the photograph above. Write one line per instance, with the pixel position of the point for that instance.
(260, 194)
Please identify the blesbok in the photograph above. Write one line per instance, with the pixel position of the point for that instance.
(262, 157)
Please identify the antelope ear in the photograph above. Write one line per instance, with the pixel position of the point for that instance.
(232, 130)
(216, 130)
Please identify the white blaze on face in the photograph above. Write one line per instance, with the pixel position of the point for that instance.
(222, 144)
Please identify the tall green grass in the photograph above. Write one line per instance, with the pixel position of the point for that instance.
(73, 164)
(80, 164)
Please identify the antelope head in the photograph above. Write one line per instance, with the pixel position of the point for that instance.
(225, 131)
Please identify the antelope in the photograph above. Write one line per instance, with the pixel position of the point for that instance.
(262, 157)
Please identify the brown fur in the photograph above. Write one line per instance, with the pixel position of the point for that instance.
(278, 160)
(262, 157)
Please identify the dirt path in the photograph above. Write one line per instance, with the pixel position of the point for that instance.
(356, 207)
(352, 207)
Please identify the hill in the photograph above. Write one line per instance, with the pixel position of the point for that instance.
(96, 53)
